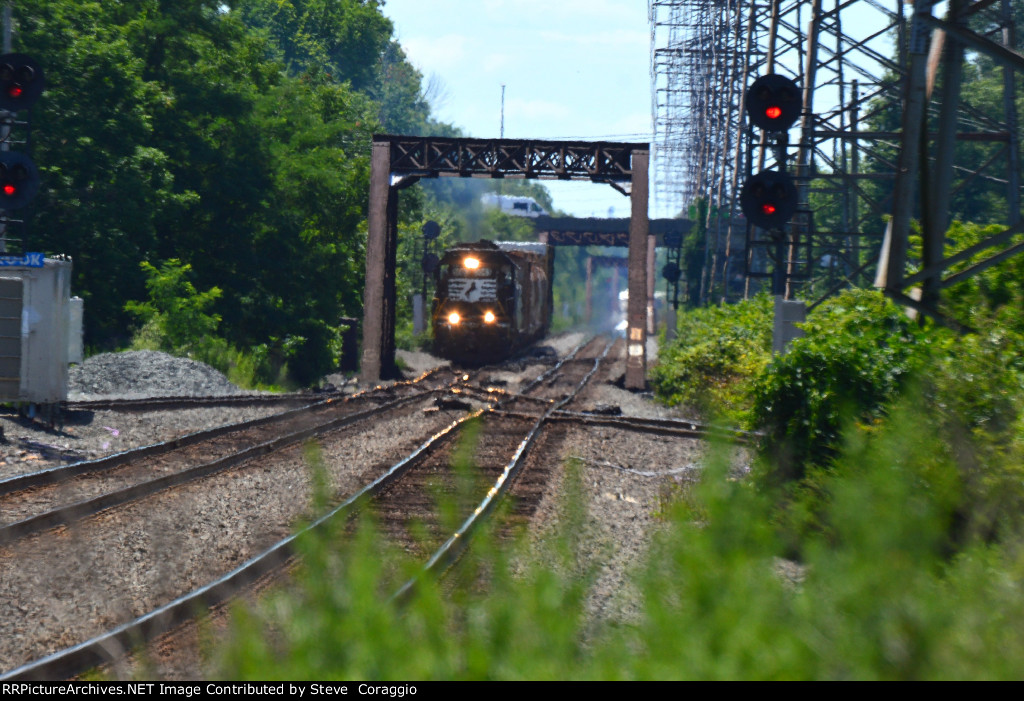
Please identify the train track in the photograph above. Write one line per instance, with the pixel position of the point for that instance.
(299, 399)
(511, 426)
(501, 449)
(35, 502)
(61, 668)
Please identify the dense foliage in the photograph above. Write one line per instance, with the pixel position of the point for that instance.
(717, 353)
(233, 138)
(171, 131)
(857, 353)
(861, 357)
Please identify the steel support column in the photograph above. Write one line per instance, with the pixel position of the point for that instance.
(935, 212)
(910, 147)
(590, 289)
(652, 321)
(636, 318)
(378, 357)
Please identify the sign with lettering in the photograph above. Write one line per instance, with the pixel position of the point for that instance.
(27, 260)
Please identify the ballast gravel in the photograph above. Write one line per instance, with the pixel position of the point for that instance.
(28, 445)
(144, 374)
(622, 506)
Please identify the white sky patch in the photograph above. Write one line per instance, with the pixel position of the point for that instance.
(536, 109)
(437, 54)
(634, 126)
(492, 63)
(608, 39)
(540, 12)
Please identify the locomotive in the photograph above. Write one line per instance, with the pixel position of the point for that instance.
(491, 299)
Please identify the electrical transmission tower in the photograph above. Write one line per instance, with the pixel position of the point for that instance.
(880, 141)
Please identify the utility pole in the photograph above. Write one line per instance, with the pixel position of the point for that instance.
(5, 129)
(501, 131)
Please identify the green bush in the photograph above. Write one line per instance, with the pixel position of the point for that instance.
(717, 353)
(311, 356)
(860, 357)
(974, 387)
(175, 317)
(878, 597)
(175, 320)
(859, 351)
(996, 293)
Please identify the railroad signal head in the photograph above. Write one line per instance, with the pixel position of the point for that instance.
(21, 82)
(431, 230)
(773, 102)
(769, 199)
(19, 180)
(430, 263)
(671, 272)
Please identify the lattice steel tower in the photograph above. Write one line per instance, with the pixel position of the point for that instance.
(875, 145)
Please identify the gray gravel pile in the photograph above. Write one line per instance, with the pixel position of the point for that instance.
(137, 374)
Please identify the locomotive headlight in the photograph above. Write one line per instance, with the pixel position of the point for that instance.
(471, 263)
(453, 318)
(488, 317)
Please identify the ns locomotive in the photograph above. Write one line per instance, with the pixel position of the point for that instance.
(491, 299)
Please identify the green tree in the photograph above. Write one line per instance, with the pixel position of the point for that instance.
(175, 316)
(343, 39)
(105, 186)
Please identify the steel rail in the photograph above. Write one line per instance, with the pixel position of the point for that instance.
(184, 402)
(88, 507)
(656, 425)
(181, 402)
(97, 651)
(91, 653)
(54, 475)
(452, 548)
(557, 366)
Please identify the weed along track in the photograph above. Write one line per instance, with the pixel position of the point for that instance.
(433, 468)
(75, 577)
(128, 571)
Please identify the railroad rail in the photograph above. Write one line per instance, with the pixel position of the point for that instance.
(526, 413)
(302, 398)
(78, 658)
(61, 495)
(455, 545)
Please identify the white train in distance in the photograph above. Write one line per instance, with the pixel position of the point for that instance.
(514, 205)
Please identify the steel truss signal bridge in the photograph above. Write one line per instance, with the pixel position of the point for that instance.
(885, 136)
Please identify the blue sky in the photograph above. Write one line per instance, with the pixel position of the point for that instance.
(572, 69)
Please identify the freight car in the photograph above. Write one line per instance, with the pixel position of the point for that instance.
(491, 300)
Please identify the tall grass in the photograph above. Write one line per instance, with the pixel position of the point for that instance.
(878, 596)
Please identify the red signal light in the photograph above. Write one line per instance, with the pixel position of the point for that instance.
(21, 82)
(10, 189)
(768, 208)
(773, 112)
